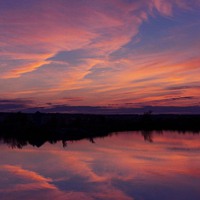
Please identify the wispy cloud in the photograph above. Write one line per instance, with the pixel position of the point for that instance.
(99, 50)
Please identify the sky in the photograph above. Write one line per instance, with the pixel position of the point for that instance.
(56, 54)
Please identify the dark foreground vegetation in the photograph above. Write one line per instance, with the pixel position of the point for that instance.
(20, 129)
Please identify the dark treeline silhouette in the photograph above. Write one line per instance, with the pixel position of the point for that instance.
(20, 129)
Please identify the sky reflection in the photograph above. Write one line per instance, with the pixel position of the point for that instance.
(122, 166)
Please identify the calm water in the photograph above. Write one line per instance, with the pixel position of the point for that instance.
(122, 167)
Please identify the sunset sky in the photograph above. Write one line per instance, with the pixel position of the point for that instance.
(99, 53)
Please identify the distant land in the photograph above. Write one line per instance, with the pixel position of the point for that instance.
(20, 129)
(24, 106)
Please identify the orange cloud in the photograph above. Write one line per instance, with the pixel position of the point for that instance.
(122, 60)
(25, 173)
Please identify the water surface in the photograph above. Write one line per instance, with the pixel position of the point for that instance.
(122, 166)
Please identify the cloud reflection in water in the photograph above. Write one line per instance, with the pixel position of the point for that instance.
(123, 166)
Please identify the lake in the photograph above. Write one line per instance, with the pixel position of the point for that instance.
(123, 166)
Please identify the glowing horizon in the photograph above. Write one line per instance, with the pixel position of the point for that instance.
(100, 53)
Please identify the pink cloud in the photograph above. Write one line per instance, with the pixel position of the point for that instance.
(25, 173)
(34, 33)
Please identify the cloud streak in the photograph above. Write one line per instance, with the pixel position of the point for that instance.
(99, 50)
